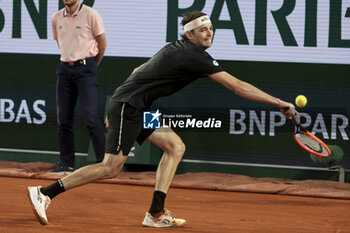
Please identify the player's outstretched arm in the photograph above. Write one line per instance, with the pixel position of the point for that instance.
(250, 92)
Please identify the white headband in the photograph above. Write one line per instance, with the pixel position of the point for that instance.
(196, 23)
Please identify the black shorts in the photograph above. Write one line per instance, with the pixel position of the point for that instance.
(125, 127)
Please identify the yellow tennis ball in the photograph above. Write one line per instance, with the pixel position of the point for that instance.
(300, 101)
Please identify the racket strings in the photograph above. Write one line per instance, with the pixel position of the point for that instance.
(311, 143)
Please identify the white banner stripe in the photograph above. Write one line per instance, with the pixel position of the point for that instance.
(140, 29)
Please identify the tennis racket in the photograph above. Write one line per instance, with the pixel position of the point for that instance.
(308, 141)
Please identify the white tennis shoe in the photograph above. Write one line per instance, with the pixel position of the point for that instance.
(165, 220)
(39, 202)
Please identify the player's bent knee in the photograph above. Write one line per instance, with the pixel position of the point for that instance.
(111, 166)
(182, 148)
(110, 171)
(178, 149)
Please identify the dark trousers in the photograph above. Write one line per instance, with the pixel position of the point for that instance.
(76, 81)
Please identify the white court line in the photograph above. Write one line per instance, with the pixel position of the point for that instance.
(183, 160)
(257, 165)
(37, 151)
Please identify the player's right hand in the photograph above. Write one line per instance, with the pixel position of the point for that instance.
(288, 110)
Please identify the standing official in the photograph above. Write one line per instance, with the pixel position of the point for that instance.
(80, 36)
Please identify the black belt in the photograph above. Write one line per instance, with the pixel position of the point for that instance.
(76, 63)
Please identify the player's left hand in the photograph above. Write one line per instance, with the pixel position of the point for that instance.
(106, 122)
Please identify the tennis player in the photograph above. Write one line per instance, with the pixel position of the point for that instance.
(171, 69)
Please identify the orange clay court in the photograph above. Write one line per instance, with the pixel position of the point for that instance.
(117, 207)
